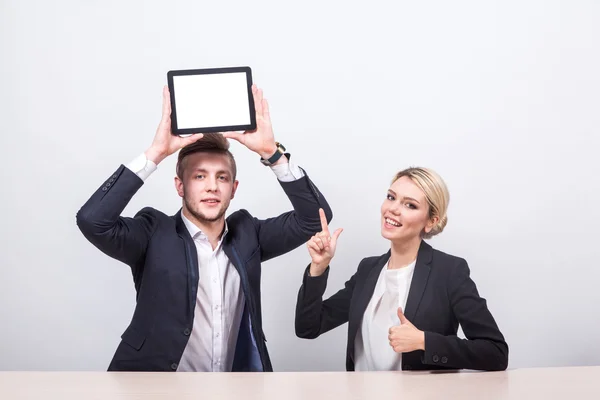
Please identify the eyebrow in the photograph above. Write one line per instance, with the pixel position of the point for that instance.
(405, 198)
(218, 172)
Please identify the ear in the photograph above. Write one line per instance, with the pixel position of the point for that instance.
(179, 186)
(431, 223)
(235, 186)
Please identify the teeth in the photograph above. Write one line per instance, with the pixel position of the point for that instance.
(392, 222)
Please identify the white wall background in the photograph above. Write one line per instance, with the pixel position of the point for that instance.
(500, 97)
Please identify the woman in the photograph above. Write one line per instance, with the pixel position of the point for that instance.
(403, 308)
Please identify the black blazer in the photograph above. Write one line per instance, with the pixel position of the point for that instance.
(164, 264)
(441, 296)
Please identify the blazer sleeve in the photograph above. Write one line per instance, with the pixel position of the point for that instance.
(485, 347)
(125, 239)
(281, 234)
(315, 316)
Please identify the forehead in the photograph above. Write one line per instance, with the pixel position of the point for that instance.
(405, 187)
(211, 162)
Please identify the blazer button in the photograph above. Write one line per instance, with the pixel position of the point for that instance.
(408, 367)
(187, 332)
(114, 176)
(436, 358)
(174, 366)
(111, 180)
(444, 360)
(104, 189)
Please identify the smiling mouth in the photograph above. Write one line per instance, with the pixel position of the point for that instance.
(392, 222)
(211, 201)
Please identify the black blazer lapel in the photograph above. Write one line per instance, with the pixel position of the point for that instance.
(364, 294)
(367, 289)
(419, 280)
(234, 257)
(191, 255)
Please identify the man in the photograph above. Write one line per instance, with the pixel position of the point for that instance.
(197, 273)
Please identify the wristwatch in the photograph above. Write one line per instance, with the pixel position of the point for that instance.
(273, 159)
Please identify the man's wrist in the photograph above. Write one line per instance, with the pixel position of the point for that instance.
(275, 157)
(282, 160)
(268, 152)
(155, 155)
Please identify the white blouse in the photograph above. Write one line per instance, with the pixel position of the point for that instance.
(372, 346)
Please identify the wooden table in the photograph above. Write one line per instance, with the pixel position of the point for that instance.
(537, 383)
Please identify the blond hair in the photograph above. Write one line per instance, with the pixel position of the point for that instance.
(436, 193)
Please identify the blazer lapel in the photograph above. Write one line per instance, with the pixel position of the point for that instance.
(233, 256)
(419, 280)
(364, 294)
(368, 287)
(191, 254)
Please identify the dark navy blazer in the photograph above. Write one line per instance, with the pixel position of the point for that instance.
(164, 264)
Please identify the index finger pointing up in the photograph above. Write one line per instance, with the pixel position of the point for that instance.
(324, 227)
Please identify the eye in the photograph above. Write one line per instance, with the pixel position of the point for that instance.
(199, 176)
(411, 206)
(390, 197)
(223, 177)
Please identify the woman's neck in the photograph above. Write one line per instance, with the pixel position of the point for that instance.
(404, 253)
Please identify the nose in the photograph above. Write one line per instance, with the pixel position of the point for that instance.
(395, 208)
(211, 184)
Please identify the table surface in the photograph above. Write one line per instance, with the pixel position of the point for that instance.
(529, 383)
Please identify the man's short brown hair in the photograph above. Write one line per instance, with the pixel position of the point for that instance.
(214, 143)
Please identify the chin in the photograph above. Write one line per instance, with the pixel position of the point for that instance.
(394, 236)
(386, 234)
(207, 215)
(212, 217)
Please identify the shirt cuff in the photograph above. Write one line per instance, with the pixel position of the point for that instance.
(142, 167)
(287, 172)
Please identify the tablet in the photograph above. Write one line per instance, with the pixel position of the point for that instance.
(211, 100)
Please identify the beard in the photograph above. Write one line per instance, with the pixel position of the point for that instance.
(200, 216)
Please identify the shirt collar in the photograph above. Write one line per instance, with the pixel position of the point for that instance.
(196, 233)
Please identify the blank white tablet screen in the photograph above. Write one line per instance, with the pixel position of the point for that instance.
(210, 100)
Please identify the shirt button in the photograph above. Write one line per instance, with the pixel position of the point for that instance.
(218, 334)
(217, 307)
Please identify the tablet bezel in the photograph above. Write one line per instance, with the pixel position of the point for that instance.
(205, 71)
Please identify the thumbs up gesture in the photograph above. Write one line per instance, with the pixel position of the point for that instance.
(405, 337)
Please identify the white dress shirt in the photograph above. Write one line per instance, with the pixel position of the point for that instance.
(372, 346)
(218, 310)
(220, 300)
